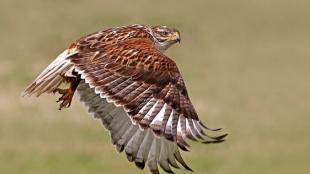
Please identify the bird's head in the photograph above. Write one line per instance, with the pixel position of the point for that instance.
(165, 36)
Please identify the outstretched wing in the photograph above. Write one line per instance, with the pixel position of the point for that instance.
(141, 146)
(52, 76)
(134, 76)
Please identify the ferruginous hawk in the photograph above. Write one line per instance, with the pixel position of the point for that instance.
(124, 79)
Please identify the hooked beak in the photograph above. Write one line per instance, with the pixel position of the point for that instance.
(175, 37)
(178, 37)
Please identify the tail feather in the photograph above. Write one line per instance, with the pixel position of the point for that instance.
(52, 76)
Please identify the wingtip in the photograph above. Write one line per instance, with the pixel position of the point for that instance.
(211, 129)
(140, 164)
(213, 142)
(23, 94)
(167, 168)
(220, 137)
(179, 158)
(26, 94)
(188, 168)
(184, 148)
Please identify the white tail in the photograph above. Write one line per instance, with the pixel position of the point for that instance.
(52, 76)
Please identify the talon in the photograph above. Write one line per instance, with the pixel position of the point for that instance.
(66, 98)
(67, 94)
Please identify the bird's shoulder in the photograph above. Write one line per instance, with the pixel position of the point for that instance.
(112, 36)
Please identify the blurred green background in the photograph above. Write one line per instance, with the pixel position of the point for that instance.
(245, 62)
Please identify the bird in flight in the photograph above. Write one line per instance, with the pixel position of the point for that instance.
(124, 79)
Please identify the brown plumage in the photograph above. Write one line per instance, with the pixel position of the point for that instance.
(124, 79)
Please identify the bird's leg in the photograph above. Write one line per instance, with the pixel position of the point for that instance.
(67, 94)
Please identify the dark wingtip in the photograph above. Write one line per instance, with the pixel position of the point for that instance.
(140, 164)
(188, 168)
(182, 162)
(168, 170)
(175, 165)
(120, 148)
(182, 147)
(212, 142)
(130, 157)
(204, 126)
(221, 136)
(218, 137)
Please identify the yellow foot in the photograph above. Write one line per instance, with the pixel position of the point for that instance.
(66, 97)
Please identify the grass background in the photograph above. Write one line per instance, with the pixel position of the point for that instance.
(245, 62)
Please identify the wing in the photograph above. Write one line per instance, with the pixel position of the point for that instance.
(52, 76)
(140, 146)
(134, 76)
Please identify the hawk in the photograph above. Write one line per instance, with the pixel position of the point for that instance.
(124, 79)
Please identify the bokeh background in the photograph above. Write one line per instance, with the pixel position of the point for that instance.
(245, 62)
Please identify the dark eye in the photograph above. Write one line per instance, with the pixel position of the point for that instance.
(165, 33)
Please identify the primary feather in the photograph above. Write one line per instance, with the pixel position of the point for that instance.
(124, 79)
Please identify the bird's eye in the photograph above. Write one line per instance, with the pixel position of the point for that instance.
(165, 33)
